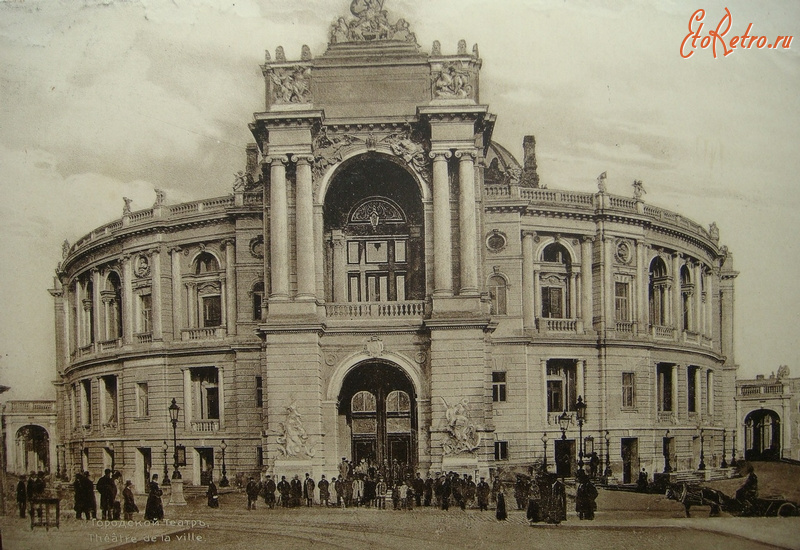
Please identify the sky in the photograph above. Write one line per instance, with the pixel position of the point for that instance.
(105, 99)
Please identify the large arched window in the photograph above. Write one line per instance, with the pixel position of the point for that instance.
(497, 293)
(209, 291)
(398, 412)
(111, 297)
(205, 263)
(556, 282)
(658, 293)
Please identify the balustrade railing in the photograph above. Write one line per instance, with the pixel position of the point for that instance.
(205, 333)
(358, 310)
(660, 331)
(144, 338)
(557, 325)
(110, 344)
(625, 326)
(205, 425)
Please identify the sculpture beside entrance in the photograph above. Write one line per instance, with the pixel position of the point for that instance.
(293, 439)
(463, 435)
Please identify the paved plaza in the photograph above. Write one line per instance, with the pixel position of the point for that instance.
(624, 520)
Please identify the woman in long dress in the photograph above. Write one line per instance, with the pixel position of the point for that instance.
(213, 495)
(155, 508)
(501, 514)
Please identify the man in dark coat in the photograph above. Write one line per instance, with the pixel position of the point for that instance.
(295, 491)
(428, 490)
(419, 488)
(308, 490)
(22, 496)
(108, 492)
(470, 491)
(446, 492)
(212, 495)
(252, 489)
(585, 496)
(80, 501)
(483, 490)
(269, 492)
(324, 491)
(128, 502)
(89, 496)
(284, 489)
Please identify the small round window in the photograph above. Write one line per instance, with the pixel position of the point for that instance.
(496, 241)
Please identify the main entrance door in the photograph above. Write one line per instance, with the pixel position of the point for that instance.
(378, 401)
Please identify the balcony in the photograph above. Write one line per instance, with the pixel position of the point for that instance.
(85, 350)
(667, 417)
(372, 310)
(30, 407)
(205, 333)
(625, 327)
(107, 345)
(691, 337)
(662, 332)
(205, 426)
(557, 325)
(764, 389)
(144, 338)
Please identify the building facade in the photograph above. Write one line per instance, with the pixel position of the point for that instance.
(768, 416)
(387, 283)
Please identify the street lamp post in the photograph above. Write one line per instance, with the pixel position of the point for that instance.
(667, 465)
(165, 447)
(563, 421)
(176, 495)
(733, 450)
(113, 455)
(607, 473)
(724, 463)
(544, 443)
(224, 481)
(580, 408)
(702, 465)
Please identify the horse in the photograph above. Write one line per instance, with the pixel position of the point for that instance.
(697, 495)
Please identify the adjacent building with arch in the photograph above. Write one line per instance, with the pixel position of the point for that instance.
(387, 283)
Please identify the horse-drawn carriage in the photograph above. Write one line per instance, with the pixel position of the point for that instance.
(697, 495)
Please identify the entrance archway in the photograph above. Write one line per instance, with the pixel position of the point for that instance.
(33, 449)
(762, 435)
(378, 403)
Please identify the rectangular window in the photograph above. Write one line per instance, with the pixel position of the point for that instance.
(260, 456)
(552, 305)
(212, 311)
(353, 256)
(710, 392)
(86, 402)
(378, 288)
(501, 450)
(142, 400)
(212, 403)
(664, 373)
(109, 397)
(354, 288)
(377, 252)
(555, 394)
(628, 390)
(621, 307)
(400, 285)
(498, 386)
(145, 313)
(259, 392)
(691, 396)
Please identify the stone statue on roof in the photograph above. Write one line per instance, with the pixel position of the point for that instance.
(371, 23)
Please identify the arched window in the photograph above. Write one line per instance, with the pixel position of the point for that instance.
(111, 297)
(556, 282)
(205, 263)
(398, 412)
(363, 402)
(658, 292)
(398, 402)
(497, 293)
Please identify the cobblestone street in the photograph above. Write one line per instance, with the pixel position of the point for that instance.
(624, 520)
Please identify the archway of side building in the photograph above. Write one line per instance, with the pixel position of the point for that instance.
(377, 418)
(762, 435)
(32, 446)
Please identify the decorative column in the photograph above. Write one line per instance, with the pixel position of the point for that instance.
(710, 304)
(572, 296)
(698, 298)
(155, 262)
(95, 328)
(442, 251)
(339, 268)
(127, 299)
(467, 222)
(177, 297)
(528, 297)
(304, 226)
(279, 230)
(642, 283)
(674, 396)
(677, 308)
(581, 377)
(586, 282)
(221, 389)
(191, 294)
(230, 286)
(608, 282)
(187, 398)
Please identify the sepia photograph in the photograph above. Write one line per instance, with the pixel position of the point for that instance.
(399, 274)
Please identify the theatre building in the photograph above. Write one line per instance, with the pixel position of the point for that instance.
(385, 282)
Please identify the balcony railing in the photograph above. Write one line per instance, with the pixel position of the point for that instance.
(206, 333)
(30, 407)
(364, 310)
(557, 325)
(205, 425)
(667, 417)
(85, 350)
(144, 338)
(625, 326)
(109, 344)
(771, 389)
(691, 337)
(660, 331)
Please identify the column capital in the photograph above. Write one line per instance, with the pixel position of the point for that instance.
(277, 160)
(587, 238)
(466, 154)
(224, 243)
(302, 159)
(529, 233)
(175, 249)
(154, 251)
(435, 154)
